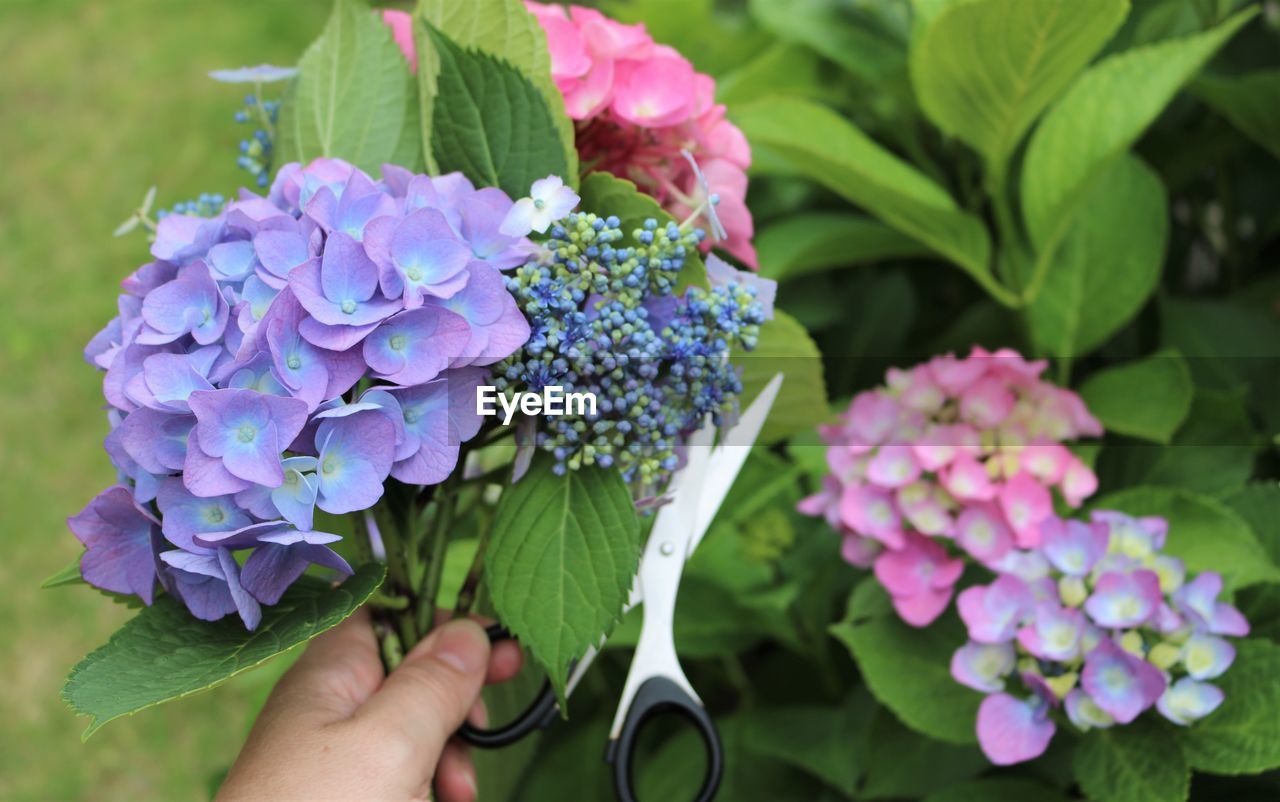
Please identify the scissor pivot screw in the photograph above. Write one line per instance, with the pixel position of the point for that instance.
(668, 548)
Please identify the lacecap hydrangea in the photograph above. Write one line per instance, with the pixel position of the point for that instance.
(290, 353)
(949, 458)
(1094, 620)
(607, 320)
(642, 113)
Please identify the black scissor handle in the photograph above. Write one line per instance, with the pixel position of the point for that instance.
(538, 715)
(656, 696)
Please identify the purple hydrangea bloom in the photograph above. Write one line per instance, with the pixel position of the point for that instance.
(279, 251)
(423, 257)
(1198, 600)
(356, 452)
(295, 499)
(994, 612)
(209, 585)
(119, 537)
(281, 554)
(309, 372)
(1124, 599)
(186, 515)
(1187, 701)
(247, 431)
(340, 293)
(983, 666)
(1206, 656)
(230, 365)
(180, 238)
(1073, 547)
(437, 417)
(413, 346)
(479, 221)
(1121, 684)
(1054, 633)
(495, 324)
(190, 304)
(349, 210)
(261, 74)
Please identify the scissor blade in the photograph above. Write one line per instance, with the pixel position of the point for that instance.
(729, 457)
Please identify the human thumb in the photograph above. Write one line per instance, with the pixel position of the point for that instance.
(429, 695)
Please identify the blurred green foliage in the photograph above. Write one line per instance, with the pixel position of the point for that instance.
(98, 101)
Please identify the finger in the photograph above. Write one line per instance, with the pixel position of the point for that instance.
(479, 714)
(456, 775)
(505, 662)
(339, 670)
(427, 697)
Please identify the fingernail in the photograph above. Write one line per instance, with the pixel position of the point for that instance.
(470, 777)
(462, 644)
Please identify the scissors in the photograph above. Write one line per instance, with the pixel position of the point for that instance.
(655, 683)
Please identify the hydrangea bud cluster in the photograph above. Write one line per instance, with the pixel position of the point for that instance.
(257, 150)
(643, 113)
(1096, 620)
(950, 457)
(207, 204)
(289, 353)
(606, 320)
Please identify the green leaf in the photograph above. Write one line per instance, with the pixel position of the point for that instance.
(605, 194)
(1251, 102)
(1243, 735)
(907, 668)
(1207, 534)
(827, 741)
(561, 560)
(998, 789)
(1229, 346)
(904, 764)
(828, 149)
(1106, 266)
(1259, 505)
(812, 242)
(71, 576)
(1148, 398)
(165, 653)
(984, 71)
(506, 30)
(849, 36)
(490, 122)
(1139, 762)
(1100, 116)
(785, 347)
(1212, 452)
(67, 576)
(780, 69)
(353, 98)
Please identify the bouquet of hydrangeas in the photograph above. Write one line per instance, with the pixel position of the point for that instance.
(296, 381)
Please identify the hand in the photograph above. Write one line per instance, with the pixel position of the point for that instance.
(336, 728)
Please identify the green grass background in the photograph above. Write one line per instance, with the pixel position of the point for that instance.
(99, 99)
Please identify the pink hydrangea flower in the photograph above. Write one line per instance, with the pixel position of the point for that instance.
(920, 578)
(642, 113)
(967, 450)
(1012, 730)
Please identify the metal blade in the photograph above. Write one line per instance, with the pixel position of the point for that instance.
(729, 457)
